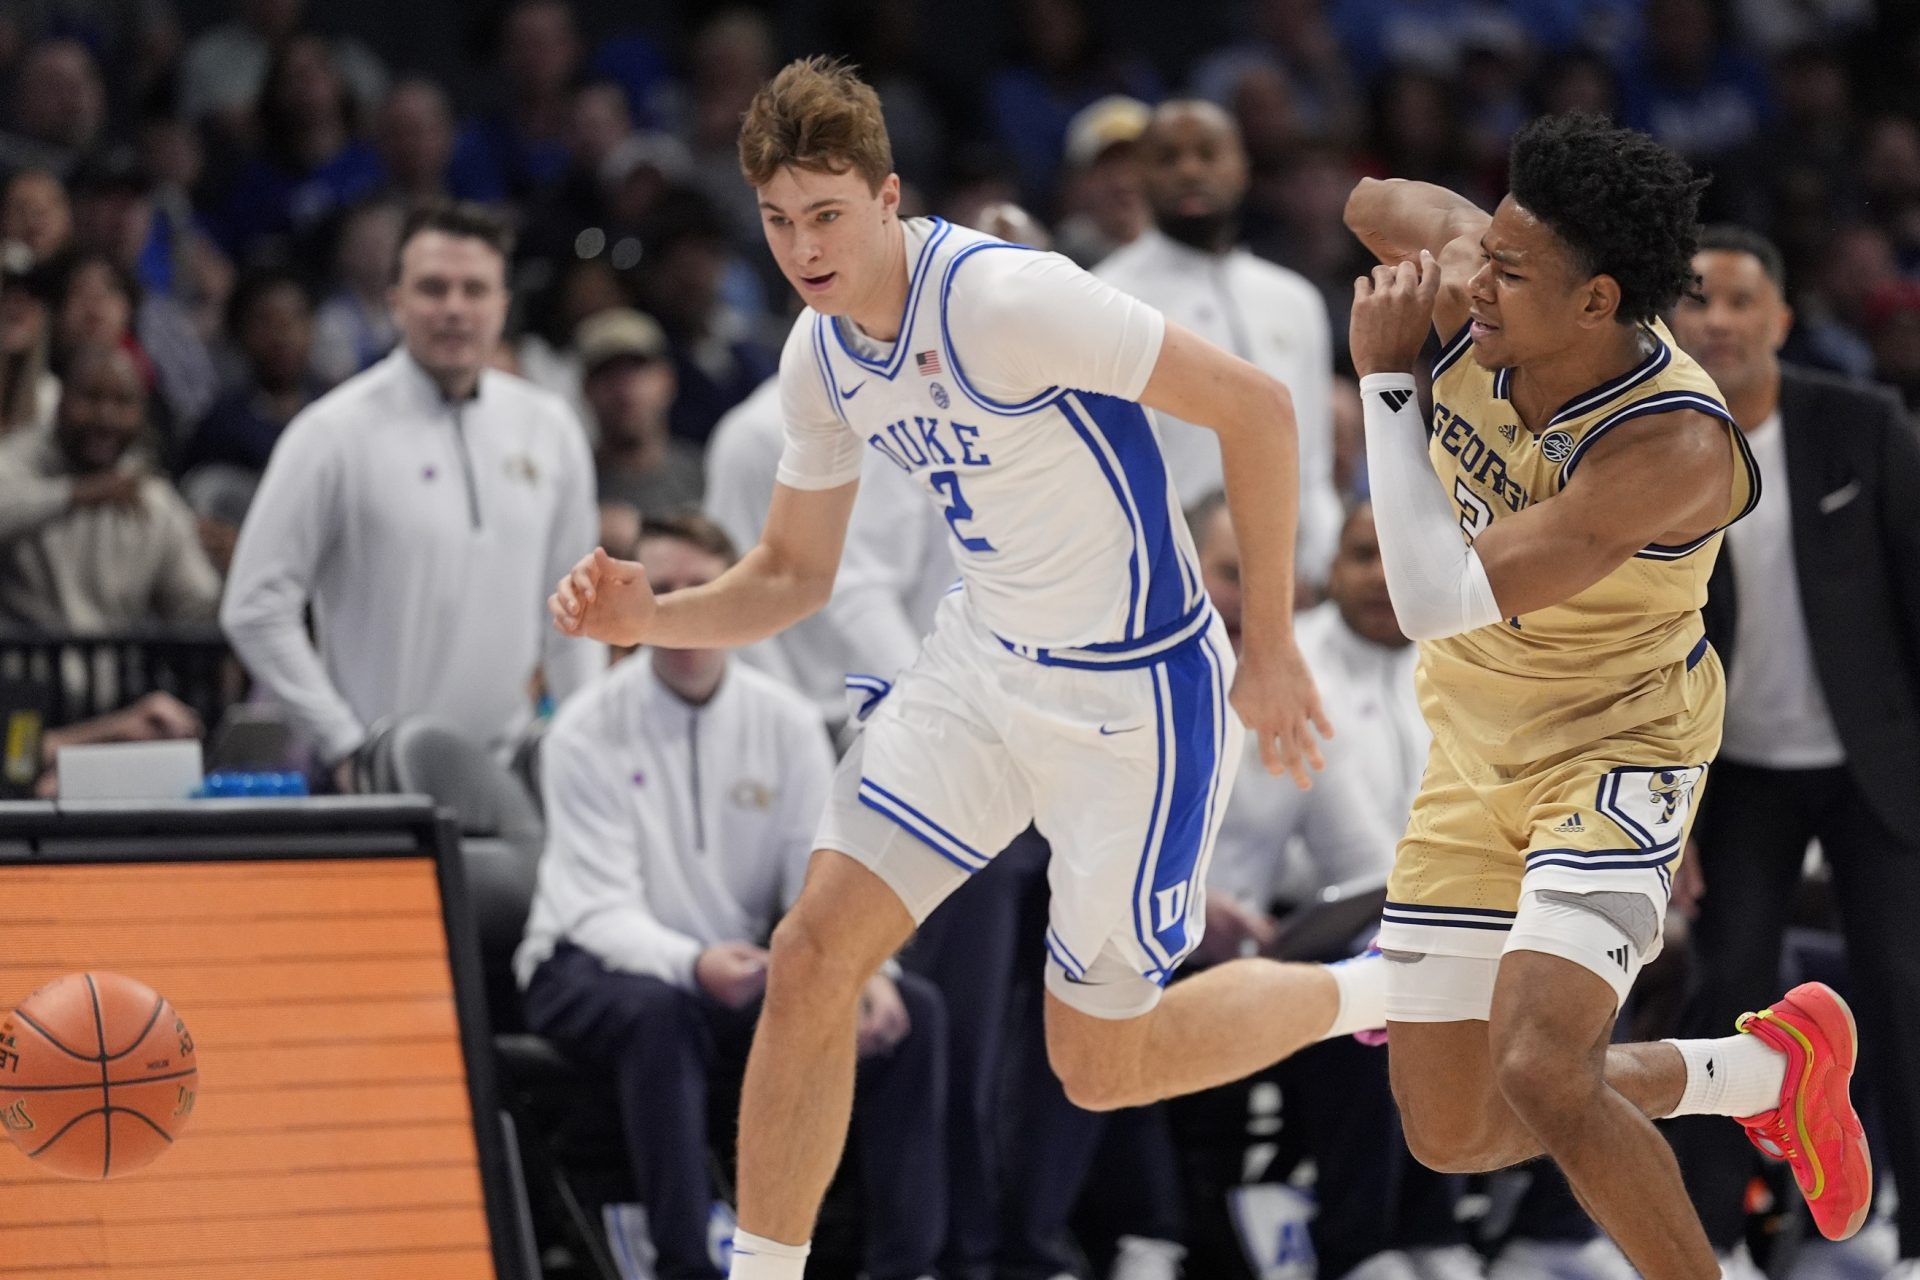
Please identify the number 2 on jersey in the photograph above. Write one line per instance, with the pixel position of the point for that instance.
(957, 509)
(1475, 514)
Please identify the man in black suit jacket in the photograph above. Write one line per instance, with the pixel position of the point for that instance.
(1815, 610)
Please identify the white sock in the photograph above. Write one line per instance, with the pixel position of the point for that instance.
(758, 1258)
(1735, 1076)
(1362, 982)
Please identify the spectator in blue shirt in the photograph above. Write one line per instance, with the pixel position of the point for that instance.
(524, 142)
(413, 132)
(1692, 89)
(311, 161)
(1060, 68)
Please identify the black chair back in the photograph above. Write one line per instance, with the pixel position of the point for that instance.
(501, 836)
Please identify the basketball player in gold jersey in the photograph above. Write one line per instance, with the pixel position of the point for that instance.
(1554, 577)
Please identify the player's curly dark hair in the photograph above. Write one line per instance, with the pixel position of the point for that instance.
(1625, 205)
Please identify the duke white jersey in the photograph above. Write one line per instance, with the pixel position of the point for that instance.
(1009, 397)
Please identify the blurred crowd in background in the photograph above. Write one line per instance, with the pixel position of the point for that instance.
(199, 218)
(222, 200)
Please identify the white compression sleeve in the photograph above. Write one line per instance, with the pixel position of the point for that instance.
(1438, 585)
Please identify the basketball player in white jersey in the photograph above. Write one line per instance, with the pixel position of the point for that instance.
(1078, 679)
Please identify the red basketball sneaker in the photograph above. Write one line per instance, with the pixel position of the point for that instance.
(1815, 1128)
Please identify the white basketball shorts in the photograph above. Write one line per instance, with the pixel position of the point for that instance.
(1125, 770)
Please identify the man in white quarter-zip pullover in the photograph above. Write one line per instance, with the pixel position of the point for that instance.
(682, 790)
(421, 508)
(1190, 267)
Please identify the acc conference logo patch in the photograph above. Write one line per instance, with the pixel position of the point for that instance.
(1651, 805)
(1556, 446)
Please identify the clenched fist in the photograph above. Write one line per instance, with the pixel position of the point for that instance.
(1392, 311)
(604, 599)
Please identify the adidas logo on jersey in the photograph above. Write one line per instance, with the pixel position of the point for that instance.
(1572, 826)
(1619, 956)
(1396, 400)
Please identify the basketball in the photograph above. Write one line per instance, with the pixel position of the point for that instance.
(97, 1075)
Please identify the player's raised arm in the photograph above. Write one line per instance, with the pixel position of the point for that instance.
(1397, 218)
(1437, 582)
(1663, 478)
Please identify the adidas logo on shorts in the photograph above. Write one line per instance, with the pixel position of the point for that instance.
(1619, 956)
(1572, 826)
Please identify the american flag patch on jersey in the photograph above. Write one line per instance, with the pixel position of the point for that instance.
(927, 362)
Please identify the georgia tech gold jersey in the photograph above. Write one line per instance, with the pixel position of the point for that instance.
(1615, 654)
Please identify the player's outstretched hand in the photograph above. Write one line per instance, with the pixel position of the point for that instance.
(1276, 698)
(1392, 311)
(604, 599)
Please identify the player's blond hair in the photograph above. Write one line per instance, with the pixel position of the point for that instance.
(816, 114)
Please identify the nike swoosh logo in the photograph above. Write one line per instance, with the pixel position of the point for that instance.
(848, 395)
(1108, 733)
